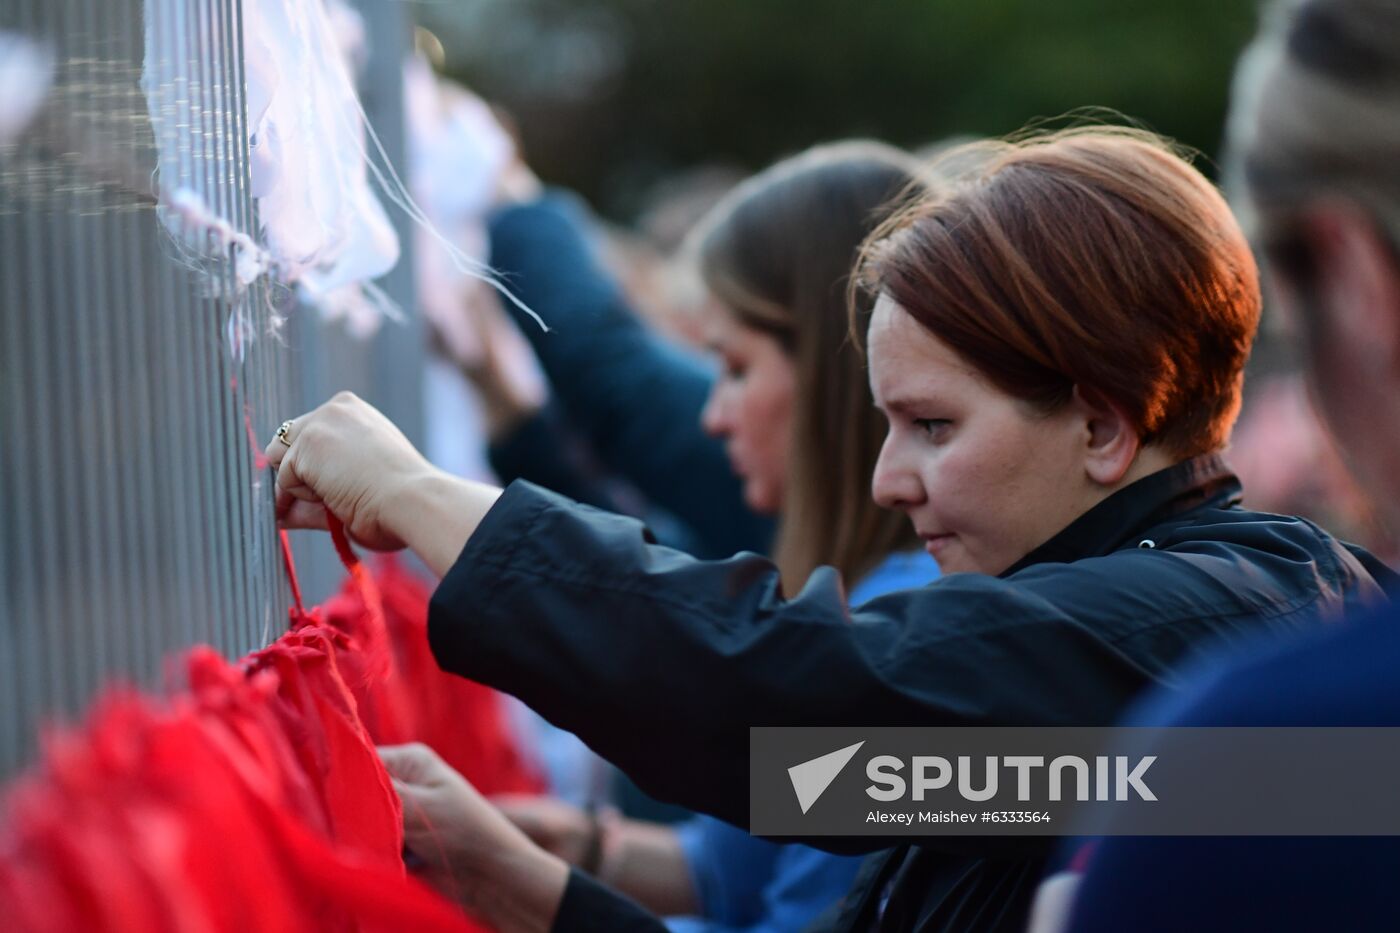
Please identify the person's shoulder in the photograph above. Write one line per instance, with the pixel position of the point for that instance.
(1236, 526)
(1252, 561)
(1288, 547)
(1215, 574)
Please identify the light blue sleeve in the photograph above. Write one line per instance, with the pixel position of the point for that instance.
(756, 886)
(904, 570)
(730, 870)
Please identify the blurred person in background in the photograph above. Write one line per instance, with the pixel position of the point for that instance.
(792, 403)
(1315, 139)
(1290, 464)
(630, 395)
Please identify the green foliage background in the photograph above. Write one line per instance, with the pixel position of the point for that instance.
(614, 95)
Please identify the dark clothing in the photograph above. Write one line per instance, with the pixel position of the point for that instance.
(589, 907)
(662, 662)
(1344, 677)
(632, 395)
(544, 451)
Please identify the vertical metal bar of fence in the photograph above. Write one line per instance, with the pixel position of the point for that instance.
(233, 497)
(127, 409)
(29, 409)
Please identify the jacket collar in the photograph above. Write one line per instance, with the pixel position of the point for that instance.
(1199, 481)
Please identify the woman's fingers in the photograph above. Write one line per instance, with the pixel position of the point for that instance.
(306, 516)
(281, 444)
(298, 505)
(414, 763)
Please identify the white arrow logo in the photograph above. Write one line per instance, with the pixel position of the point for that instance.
(811, 778)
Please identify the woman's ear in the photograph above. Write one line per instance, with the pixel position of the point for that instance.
(1111, 440)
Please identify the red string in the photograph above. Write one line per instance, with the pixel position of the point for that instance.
(364, 582)
(291, 571)
(342, 544)
(359, 574)
(259, 458)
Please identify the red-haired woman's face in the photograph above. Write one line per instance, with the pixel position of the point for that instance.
(751, 406)
(983, 477)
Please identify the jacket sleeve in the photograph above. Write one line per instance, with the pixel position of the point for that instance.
(589, 907)
(633, 395)
(662, 662)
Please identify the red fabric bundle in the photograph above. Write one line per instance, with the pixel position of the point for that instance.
(318, 713)
(405, 697)
(183, 817)
(255, 799)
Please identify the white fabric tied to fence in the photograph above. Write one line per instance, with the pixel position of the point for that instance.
(307, 144)
(321, 228)
(457, 152)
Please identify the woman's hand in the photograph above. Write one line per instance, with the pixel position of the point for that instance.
(347, 458)
(643, 860)
(468, 850)
(555, 826)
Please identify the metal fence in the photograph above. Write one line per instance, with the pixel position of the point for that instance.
(135, 382)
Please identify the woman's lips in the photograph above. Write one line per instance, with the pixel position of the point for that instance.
(935, 543)
(736, 463)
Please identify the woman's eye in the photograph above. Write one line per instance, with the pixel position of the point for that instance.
(933, 427)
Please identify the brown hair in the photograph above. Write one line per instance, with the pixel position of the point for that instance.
(778, 252)
(1093, 257)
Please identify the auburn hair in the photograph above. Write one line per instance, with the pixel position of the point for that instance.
(1093, 257)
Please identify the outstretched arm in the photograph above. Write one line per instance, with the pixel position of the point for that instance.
(634, 395)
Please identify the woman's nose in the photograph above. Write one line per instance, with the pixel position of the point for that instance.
(894, 485)
(714, 420)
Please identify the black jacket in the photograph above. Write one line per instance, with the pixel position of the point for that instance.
(662, 663)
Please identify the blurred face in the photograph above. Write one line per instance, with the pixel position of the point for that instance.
(1351, 316)
(983, 477)
(751, 405)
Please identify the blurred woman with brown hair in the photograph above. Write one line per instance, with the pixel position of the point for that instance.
(775, 258)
